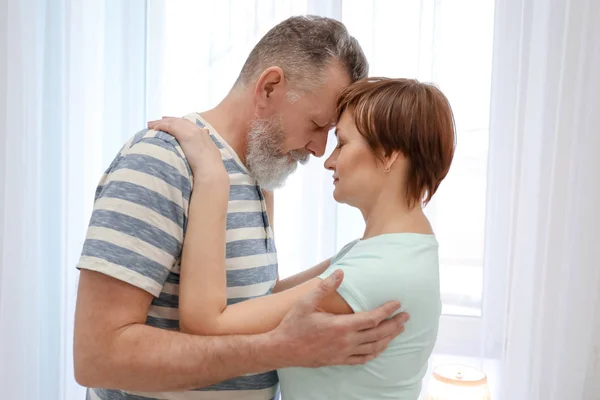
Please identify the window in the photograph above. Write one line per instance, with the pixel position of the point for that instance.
(448, 43)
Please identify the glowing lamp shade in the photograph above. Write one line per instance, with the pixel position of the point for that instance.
(457, 382)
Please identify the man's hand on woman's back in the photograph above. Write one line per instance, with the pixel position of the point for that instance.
(310, 338)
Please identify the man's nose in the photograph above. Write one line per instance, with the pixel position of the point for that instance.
(318, 144)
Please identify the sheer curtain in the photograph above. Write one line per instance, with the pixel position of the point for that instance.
(72, 79)
(77, 77)
(436, 41)
(543, 197)
(193, 66)
(539, 178)
(448, 43)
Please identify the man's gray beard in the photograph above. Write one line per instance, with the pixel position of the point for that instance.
(264, 157)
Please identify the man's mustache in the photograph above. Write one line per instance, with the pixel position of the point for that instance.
(300, 156)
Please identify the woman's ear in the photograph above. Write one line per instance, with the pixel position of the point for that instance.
(388, 161)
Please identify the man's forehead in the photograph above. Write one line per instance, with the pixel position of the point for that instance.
(323, 112)
(323, 120)
(323, 101)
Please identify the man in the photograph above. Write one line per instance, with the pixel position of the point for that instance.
(126, 327)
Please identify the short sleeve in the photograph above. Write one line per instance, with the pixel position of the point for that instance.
(136, 230)
(372, 275)
(352, 274)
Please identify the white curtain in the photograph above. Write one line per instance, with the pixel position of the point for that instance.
(72, 80)
(193, 65)
(543, 286)
(77, 77)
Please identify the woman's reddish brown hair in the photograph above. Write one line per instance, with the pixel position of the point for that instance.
(408, 116)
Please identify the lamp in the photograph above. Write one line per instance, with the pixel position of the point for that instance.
(457, 382)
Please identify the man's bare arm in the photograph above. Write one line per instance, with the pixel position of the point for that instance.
(115, 349)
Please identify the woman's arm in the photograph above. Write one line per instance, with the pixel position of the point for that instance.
(203, 283)
(203, 298)
(262, 314)
(203, 289)
(301, 277)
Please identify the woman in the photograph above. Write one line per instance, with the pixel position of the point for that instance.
(396, 142)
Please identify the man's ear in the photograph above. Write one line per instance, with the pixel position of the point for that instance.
(270, 88)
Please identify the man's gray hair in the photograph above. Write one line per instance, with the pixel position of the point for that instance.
(303, 47)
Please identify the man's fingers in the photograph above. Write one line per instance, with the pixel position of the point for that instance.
(389, 328)
(377, 346)
(386, 310)
(327, 287)
(368, 351)
(359, 360)
(400, 319)
(372, 348)
(370, 319)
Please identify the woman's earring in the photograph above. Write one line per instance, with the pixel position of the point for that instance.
(387, 169)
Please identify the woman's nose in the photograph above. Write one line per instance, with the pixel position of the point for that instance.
(330, 163)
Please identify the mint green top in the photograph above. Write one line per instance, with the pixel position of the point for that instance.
(397, 266)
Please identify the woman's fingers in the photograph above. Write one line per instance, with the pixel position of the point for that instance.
(193, 139)
(178, 127)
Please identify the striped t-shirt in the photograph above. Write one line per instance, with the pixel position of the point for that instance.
(136, 234)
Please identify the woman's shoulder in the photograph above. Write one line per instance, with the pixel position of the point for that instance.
(344, 250)
(395, 246)
(389, 255)
(401, 238)
(374, 275)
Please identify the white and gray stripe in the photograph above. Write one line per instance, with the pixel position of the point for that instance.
(136, 235)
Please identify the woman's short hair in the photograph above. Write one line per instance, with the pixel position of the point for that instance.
(408, 116)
